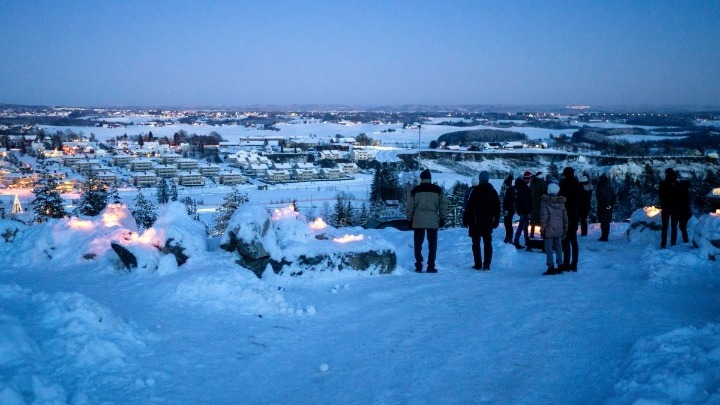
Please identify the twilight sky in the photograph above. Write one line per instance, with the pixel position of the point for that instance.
(235, 53)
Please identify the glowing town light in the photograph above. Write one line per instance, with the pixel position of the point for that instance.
(80, 224)
(318, 224)
(349, 238)
(652, 211)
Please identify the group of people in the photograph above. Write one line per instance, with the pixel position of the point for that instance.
(555, 208)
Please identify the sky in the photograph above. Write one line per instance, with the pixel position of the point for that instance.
(364, 53)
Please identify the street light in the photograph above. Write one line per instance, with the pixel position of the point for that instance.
(419, 130)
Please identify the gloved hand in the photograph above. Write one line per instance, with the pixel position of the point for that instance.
(442, 222)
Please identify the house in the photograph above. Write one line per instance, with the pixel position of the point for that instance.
(107, 177)
(257, 169)
(187, 164)
(165, 171)
(277, 176)
(209, 170)
(360, 154)
(191, 178)
(331, 173)
(348, 168)
(231, 178)
(144, 179)
(282, 166)
(122, 160)
(87, 166)
(141, 165)
(303, 165)
(304, 174)
(169, 159)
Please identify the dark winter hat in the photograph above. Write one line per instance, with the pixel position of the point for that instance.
(527, 176)
(568, 171)
(425, 175)
(508, 181)
(484, 177)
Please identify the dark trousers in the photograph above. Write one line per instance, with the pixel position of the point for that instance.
(486, 236)
(432, 237)
(507, 220)
(583, 225)
(604, 230)
(522, 227)
(682, 224)
(669, 218)
(570, 245)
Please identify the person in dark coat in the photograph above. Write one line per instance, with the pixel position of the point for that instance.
(538, 188)
(585, 200)
(684, 207)
(523, 207)
(668, 195)
(605, 196)
(482, 215)
(426, 210)
(570, 188)
(508, 206)
(474, 183)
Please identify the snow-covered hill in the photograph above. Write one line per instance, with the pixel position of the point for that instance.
(635, 324)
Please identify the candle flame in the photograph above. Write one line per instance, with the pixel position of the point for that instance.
(113, 215)
(318, 224)
(652, 211)
(284, 212)
(349, 238)
(80, 224)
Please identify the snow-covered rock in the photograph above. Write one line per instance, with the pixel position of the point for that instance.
(706, 236)
(10, 229)
(286, 241)
(646, 226)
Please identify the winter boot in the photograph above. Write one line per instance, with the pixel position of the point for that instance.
(431, 269)
(518, 246)
(550, 271)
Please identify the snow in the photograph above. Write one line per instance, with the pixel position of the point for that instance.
(634, 325)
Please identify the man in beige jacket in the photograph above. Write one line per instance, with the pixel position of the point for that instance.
(426, 210)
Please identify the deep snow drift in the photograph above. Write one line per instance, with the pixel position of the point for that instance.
(635, 324)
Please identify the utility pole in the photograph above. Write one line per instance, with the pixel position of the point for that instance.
(419, 130)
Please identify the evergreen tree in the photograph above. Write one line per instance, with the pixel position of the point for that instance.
(163, 192)
(173, 191)
(363, 215)
(144, 212)
(114, 195)
(47, 203)
(191, 207)
(343, 212)
(456, 204)
(325, 212)
(230, 203)
(554, 171)
(375, 187)
(94, 197)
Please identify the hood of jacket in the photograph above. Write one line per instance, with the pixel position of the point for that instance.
(555, 201)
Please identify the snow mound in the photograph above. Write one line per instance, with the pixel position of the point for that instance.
(237, 291)
(646, 226)
(680, 267)
(682, 366)
(64, 347)
(706, 236)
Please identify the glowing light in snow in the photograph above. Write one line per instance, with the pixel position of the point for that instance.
(652, 211)
(113, 215)
(349, 238)
(286, 212)
(318, 224)
(80, 224)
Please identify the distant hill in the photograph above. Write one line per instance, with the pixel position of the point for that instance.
(481, 135)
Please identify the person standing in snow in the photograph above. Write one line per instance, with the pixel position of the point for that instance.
(570, 189)
(585, 200)
(554, 227)
(668, 195)
(482, 215)
(538, 188)
(508, 206)
(684, 207)
(605, 196)
(426, 210)
(523, 207)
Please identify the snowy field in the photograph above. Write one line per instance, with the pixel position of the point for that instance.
(400, 137)
(635, 325)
